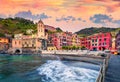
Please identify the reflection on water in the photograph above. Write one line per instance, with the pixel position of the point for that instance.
(39, 69)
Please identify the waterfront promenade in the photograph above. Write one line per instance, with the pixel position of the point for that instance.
(113, 71)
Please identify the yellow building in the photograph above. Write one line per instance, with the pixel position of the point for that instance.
(51, 48)
(113, 40)
(74, 40)
(32, 44)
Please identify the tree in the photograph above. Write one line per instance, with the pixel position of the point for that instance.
(59, 29)
(2, 35)
(83, 47)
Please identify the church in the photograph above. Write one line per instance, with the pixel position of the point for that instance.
(31, 43)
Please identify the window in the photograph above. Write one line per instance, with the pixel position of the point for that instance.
(118, 43)
(15, 42)
(19, 42)
(96, 40)
(105, 39)
(33, 45)
(99, 39)
(105, 34)
(92, 40)
(41, 30)
(27, 45)
(104, 43)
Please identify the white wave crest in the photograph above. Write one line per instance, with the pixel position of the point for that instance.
(56, 71)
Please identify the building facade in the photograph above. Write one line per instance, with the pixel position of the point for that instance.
(33, 42)
(63, 39)
(4, 44)
(100, 41)
(118, 41)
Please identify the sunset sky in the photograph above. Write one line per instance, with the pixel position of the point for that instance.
(70, 15)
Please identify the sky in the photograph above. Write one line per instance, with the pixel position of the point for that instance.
(69, 15)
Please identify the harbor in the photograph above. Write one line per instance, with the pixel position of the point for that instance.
(86, 61)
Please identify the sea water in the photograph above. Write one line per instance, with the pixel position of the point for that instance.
(37, 69)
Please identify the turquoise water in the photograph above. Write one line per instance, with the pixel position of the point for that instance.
(34, 68)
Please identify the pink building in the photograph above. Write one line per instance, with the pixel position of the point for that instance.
(86, 42)
(56, 41)
(100, 41)
(60, 39)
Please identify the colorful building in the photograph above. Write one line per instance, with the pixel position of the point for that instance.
(41, 30)
(118, 41)
(16, 45)
(33, 42)
(4, 44)
(113, 41)
(100, 41)
(75, 40)
(63, 39)
(86, 42)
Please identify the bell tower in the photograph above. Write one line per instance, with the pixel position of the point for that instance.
(40, 29)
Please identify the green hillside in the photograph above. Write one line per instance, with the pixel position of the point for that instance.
(15, 25)
(93, 30)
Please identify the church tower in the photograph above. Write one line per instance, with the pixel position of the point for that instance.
(40, 29)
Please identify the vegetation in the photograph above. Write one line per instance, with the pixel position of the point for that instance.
(70, 47)
(2, 35)
(50, 32)
(15, 25)
(93, 30)
(58, 29)
(83, 48)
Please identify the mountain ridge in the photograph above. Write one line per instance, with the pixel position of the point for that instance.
(93, 30)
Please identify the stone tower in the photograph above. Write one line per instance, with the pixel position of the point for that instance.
(40, 29)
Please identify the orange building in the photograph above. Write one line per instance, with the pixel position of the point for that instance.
(4, 43)
(4, 40)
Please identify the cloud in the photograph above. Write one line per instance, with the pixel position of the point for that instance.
(116, 21)
(29, 15)
(69, 18)
(101, 18)
(2, 16)
(79, 19)
(104, 19)
(116, 0)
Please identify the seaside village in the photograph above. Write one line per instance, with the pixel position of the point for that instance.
(47, 38)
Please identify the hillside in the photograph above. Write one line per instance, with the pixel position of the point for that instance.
(93, 30)
(15, 25)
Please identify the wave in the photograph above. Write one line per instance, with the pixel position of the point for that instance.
(57, 71)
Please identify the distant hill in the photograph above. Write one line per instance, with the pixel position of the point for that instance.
(93, 30)
(15, 25)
